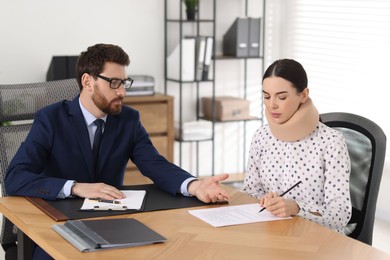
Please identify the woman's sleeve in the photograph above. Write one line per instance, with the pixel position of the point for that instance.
(335, 211)
(252, 185)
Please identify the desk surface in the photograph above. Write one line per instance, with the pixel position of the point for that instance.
(191, 238)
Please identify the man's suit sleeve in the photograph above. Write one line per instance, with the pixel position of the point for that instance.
(163, 173)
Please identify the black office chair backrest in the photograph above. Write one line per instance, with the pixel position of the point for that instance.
(366, 143)
(18, 105)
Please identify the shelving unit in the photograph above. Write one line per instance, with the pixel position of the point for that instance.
(205, 24)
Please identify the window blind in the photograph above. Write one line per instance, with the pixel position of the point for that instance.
(344, 46)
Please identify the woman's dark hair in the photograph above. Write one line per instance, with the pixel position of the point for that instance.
(289, 70)
(93, 59)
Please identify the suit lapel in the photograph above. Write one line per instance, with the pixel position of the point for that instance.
(80, 130)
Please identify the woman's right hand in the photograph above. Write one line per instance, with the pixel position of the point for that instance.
(279, 206)
(267, 196)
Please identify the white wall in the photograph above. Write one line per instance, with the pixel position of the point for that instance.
(33, 31)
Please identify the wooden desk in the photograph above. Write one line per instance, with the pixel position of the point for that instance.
(191, 238)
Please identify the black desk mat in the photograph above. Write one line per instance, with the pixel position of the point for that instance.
(155, 199)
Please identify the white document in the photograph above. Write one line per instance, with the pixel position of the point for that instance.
(133, 200)
(234, 215)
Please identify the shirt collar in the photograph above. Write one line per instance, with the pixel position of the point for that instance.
(88, 117)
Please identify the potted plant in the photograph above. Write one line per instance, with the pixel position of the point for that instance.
(191, 8)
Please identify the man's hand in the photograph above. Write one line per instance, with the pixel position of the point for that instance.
(96, 190)
(279, 206)
(209, 190)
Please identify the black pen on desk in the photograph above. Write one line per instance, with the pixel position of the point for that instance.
(107, 201)
(284, 193)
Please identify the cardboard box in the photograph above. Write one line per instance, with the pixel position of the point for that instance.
(226, 108)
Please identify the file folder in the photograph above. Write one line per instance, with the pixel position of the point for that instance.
(94, 235)
(243, 38)
(187, 61)
(235, 40)
(254, 37)
(200, 52)
(207, 57)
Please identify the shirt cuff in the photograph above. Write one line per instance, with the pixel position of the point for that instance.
(184, 186)
(65, 192)
(302, 209)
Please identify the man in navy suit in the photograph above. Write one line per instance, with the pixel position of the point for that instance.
(56, 159)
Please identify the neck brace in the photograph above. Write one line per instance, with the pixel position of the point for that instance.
(300, 125)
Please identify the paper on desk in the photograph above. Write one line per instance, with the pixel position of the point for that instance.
(234, 215)
(133, 200)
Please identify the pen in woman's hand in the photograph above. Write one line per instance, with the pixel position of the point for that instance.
(281, 195)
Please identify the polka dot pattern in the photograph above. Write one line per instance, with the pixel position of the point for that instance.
(320, 161)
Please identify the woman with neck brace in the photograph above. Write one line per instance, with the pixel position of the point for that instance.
(295, 146)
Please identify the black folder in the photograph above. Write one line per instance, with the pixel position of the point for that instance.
(235, 40)
(243, 38)
(62, 67)
(93, 235)
(155, 199)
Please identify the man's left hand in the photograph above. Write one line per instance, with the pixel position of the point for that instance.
(209, 190)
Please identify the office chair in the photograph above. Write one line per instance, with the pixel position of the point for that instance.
(18, 105)
(367, 148)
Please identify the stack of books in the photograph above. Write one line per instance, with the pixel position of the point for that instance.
(194, 130)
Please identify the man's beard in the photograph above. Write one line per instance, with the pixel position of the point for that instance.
(104, 105)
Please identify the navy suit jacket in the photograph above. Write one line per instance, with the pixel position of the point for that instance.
(58, 149)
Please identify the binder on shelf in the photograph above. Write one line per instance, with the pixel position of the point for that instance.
(200, 51)
(235, 40)
(94, 235)
(207, 57)
(187, 61)
(243, 38)
(254, 37)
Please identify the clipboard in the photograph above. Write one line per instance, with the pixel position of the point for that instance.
(135, 199)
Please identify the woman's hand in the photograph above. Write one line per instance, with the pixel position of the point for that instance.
(279, 206)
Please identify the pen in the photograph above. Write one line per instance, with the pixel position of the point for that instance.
(107, 201)
(284, 193)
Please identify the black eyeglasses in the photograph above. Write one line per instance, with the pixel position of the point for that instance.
(116, 83)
